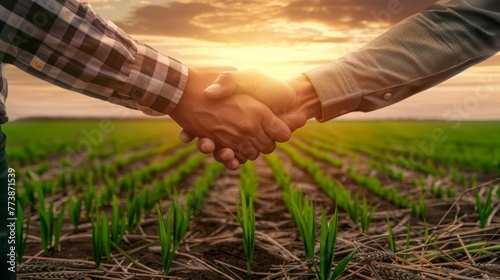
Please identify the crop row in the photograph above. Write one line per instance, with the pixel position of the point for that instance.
(303, 212)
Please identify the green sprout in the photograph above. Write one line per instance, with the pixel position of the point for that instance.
(484, 210)
(90, 200)
(422, 207)
(106, 242)
(328, 242)
(97, 242)
(246, 219)
(133, 213)
(365, 216)
(74, 212)
(304, 216)
(172, 231)
(165, 235)
(50, 228)
(20, 236)
(117, 224)
(181, 215)
(353, 208)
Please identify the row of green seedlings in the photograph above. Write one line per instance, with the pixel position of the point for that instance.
(322, 142)
(427, 168)
(365, 214)
(172, 227)
(480, 156)
(141, 203)
(303, 213)
(452, 153)
(484, 210)
(80, 181)
(93, 172)
(332, 144)
(128, 181)
(319, 154)
(245, 210)
(34, 151)
(419, 208)
(459, 153)
(317, 151)
(172, 231)
(138, 203)
(393, 173)
(359, 214)
(436, 189)
(371, 183)
(461, 177)
(452, 172)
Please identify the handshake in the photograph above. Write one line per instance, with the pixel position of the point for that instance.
(239, 114)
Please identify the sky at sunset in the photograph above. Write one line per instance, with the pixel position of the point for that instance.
(280, 37)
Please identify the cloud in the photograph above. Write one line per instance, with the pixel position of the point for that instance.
(173, 19)
(353, 13)
(249, 22)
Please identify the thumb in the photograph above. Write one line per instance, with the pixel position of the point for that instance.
(275, 128)
(223, 86)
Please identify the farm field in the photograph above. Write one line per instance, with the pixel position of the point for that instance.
(126, 200)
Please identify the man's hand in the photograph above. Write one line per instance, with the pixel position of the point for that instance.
(238, 122)
(294, 101)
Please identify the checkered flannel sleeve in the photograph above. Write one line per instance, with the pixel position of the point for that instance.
(65, 43)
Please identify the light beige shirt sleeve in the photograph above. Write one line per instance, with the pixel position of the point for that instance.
(412, 56)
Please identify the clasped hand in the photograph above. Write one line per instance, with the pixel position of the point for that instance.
(242, 113)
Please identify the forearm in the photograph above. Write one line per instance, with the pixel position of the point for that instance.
(67, 44)
(412, 56)
(307, 98)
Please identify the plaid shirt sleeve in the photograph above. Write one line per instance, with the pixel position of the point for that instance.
(65, 43)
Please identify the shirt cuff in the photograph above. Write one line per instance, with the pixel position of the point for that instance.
(155, 84)
(334, 90)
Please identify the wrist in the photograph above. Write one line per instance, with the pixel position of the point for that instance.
(187, 96)
(307, 99)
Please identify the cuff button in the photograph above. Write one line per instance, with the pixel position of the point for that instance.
(388, 96)
(147, 112)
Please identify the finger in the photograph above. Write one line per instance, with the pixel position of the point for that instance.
(248, 151)
(275, 127)
(241, 158)
(224, 155)
(263, 142)
(186, 137)
(205, 145)
(233, 165)
(223, 86)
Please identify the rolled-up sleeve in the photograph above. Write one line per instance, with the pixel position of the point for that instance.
(68, 44)
(413, 55)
